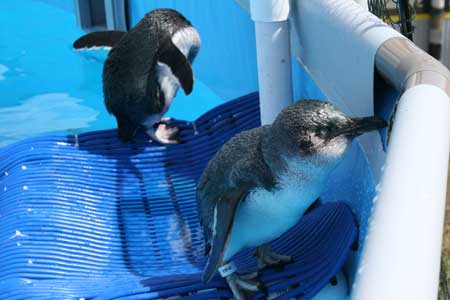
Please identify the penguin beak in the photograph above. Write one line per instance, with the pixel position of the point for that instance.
(359, 126)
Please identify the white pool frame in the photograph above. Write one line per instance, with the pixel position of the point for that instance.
(341, 44)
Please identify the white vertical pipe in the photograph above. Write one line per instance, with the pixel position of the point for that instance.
(401, 255)
(273, 56)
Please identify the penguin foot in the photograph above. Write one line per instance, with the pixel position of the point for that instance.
(269, 259)
(244, 286)
(164, 133)
(167, 134)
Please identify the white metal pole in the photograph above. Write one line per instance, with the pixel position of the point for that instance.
(273, 55)
(401, 256)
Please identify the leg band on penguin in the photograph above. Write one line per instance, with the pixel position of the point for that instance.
(227, 269)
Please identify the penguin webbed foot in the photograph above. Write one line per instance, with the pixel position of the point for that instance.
(164, 133)
(245, 286)
(267, 258)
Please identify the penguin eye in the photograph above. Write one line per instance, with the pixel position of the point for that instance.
(324, 132)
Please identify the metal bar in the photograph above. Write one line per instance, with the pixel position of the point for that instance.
(436, 26)
(405, 18)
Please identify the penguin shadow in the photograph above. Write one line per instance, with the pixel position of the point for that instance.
(158, 231)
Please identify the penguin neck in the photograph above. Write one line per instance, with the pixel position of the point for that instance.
(303, 171)
(293, 167)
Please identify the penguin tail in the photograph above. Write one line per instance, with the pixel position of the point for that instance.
(99, 39)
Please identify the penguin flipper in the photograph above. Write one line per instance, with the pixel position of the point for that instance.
(224, 212)
(99, 39)
(169, 54)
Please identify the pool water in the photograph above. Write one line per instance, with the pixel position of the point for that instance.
(47, 87)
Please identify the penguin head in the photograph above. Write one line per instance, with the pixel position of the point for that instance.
(313, 127)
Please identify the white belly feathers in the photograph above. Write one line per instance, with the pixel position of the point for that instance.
(265, 215)
(168, 82)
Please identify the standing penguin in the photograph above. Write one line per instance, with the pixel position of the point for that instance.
(261, 182)
(144, 70)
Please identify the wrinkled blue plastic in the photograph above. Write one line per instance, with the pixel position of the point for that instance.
(88, 217)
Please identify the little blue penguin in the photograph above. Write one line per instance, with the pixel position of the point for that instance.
(144, 70)
(262, 181)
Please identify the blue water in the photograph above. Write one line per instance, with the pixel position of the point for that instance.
(47, 87)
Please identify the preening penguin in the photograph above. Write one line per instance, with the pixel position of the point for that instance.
(261, 182)
(144, 70)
